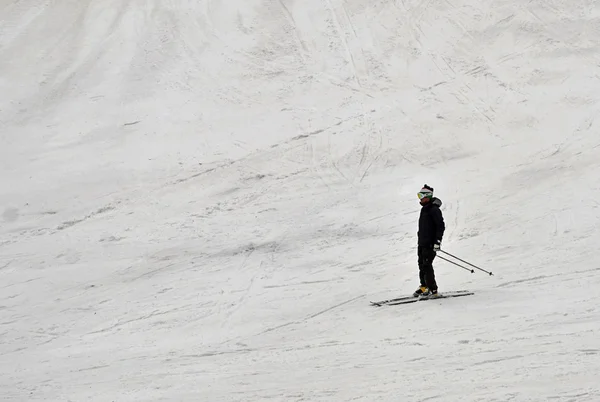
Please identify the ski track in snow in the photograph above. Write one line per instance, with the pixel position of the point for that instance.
(200, 198)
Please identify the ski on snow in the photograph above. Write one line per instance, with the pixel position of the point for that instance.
(413, 299)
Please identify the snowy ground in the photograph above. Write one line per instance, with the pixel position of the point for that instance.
(199, 198)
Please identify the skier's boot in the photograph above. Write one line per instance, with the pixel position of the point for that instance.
(430, 293)
(421, 291)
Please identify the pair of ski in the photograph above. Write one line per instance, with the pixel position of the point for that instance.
(413, 299)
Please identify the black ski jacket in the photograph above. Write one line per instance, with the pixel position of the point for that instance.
(431, 224)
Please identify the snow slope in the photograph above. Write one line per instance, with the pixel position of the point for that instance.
(199, 198)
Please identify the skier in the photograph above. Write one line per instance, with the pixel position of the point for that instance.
(431, 231)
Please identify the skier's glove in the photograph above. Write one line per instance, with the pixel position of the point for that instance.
(436, 246)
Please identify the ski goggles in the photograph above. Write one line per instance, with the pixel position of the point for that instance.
(422, 194)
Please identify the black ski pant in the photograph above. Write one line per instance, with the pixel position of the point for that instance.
(426, 274)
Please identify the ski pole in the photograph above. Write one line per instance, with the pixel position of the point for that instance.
(468, 263)
(457, 264)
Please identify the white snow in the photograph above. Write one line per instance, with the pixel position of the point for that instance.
(199, 198)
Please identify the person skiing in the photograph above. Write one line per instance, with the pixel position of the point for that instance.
(431, 231)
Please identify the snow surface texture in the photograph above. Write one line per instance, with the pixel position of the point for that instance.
(199, 198)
